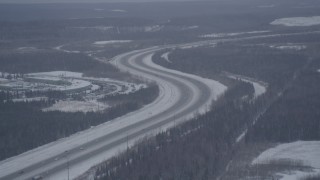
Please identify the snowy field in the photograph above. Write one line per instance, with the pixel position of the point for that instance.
(91, 88)
(223, 35)
(27, 49)
(119, 10)
(297, 47)
(101, 43)
(58, 74)
(154, 28)
(305, 152)
(77, 106)
(297, 21)
(189, 28)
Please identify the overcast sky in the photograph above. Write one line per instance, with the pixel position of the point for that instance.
(80, 1)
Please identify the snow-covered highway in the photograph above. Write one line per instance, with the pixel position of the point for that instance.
(181, 96)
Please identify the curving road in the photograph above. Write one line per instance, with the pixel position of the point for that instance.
(181, 96)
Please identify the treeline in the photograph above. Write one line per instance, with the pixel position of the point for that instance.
(295, 116)
(261, 62)
(197, 149)
(143, 96)
(51, 61)
(23, 126)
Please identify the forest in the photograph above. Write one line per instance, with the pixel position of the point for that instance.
(23, 126)
(197, 149)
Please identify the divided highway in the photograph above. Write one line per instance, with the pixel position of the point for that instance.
(181, 96)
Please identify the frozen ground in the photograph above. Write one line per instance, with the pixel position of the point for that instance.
(27, 49)
(223, 35)
(101, 43)
(154, 28)
(30, 99)
(267, 6)
(101, 28)
(290, 47)
(58, 74)
(77, 106)
(190, 28)
(119, 10)
(305, 152)
(297, 21)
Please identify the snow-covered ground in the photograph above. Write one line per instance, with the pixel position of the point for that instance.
(267, 6)
(101, 28)
(60, 48)
(77, 106)
(259, 86)
(30, 99)
(27, 49)
(223, 35)
(306, 153)
(297, 21)
(165, 56)
(154, 28)
(190, 28)
(99, 43)
(2, 80)
(290, 47)
(58, 74)
(119, 10)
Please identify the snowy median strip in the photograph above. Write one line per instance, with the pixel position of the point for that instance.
(301, 153)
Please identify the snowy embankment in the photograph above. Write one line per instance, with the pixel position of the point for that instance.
(301, 153)
(297, 21)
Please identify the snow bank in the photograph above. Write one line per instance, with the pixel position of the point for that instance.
(222, 35)
(306, 152)
(111, 42)
(77, 106)
(297, 21)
